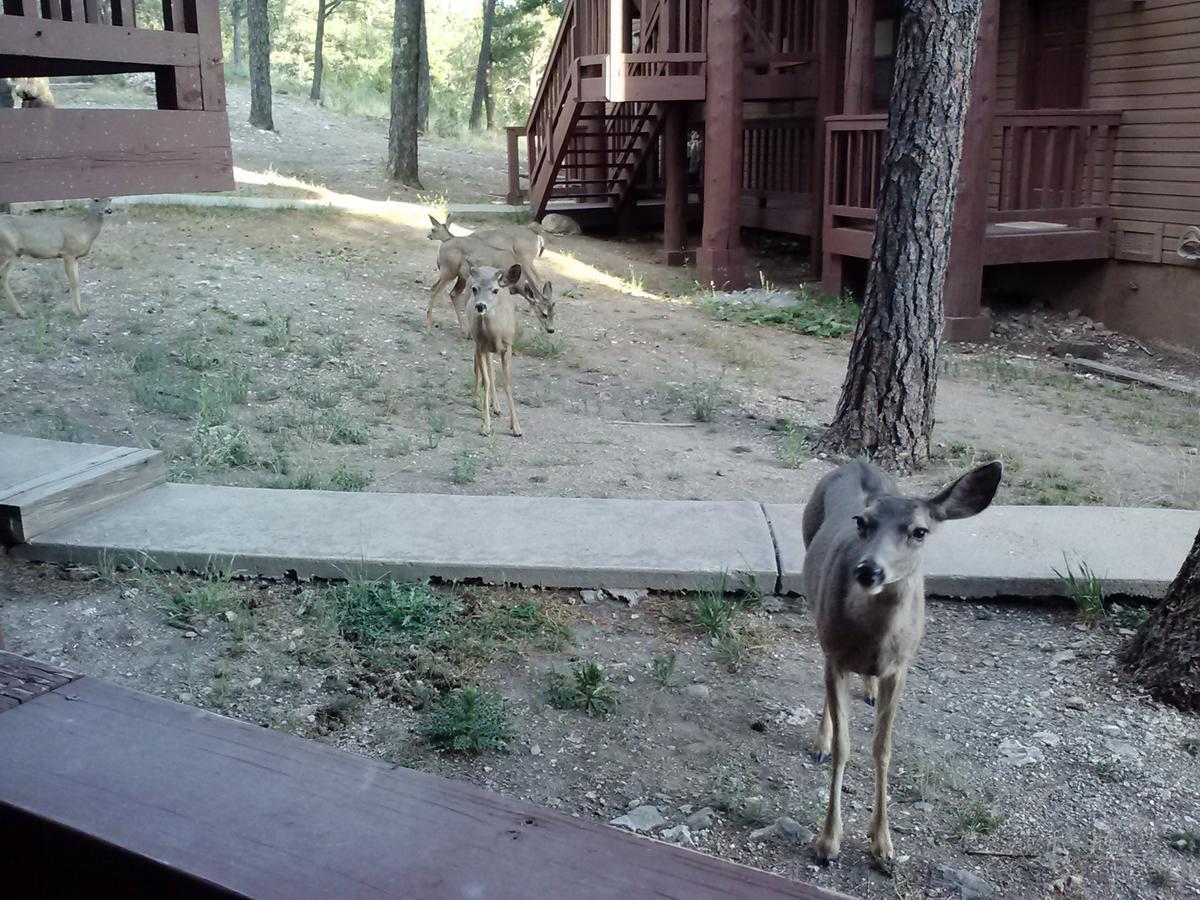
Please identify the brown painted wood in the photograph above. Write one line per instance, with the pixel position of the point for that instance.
(675, 166)
(860, 42)
(112, 152)
(214, 803)
(25, 37)
(22, 680)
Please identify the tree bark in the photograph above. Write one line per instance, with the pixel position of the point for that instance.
(481, 70)
(489, 103)
(886, 410)
(402, 133)
(237, 14)
(424, 86)
(319, 50)
(1164, 655)
(260, 64)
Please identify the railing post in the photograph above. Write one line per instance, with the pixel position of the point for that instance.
(512, 134)
(966, 319)
(675, 176)
(860, 49)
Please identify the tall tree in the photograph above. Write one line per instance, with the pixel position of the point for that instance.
(259, 30)
(425, 84)
(402, 132)
(481, 69)
(237, 15)
(1164, 655)
(325, 9)
(887, 402)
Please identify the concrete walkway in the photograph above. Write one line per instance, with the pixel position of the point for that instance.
(571, 542)
(245, 201)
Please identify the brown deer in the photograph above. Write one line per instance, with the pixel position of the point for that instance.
(33, 93)
(863, 576)
(50, 238)
(492, 325)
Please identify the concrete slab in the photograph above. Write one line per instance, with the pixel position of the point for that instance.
(1014, 550)
(26, 459)
(551, 542)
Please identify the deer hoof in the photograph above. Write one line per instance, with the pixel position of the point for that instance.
(827, 852)
(517, 432)
(869, 700)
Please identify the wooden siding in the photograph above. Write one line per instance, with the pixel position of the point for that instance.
(1145, 61)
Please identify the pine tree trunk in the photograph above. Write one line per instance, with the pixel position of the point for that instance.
(318, 53)
(402, 133)
(489, 102)
(260, 64)
(887, 402)
(1165, 653)
(423, 88)
(485, 60)
(237, 14)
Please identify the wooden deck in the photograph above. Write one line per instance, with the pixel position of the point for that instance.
(108, 791)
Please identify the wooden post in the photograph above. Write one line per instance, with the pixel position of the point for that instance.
(675, 177)
(827, 89)
(721, 259)
(966, 319)
(860, 54)
(617, 30)
(512, 135)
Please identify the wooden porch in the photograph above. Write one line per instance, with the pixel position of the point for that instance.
(58, 154)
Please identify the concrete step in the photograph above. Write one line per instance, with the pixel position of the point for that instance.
(45, 484)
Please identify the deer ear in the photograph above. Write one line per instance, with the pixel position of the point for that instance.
(548, 292)
(969, 495)
(511, 275)
(434, 222)
(474, 272)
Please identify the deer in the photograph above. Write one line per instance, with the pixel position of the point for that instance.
(863, 576)
(33, 93)
(492, 325)
(456, 257)
(50, 238)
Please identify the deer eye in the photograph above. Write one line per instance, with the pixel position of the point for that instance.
(919, 533)
(861, 524)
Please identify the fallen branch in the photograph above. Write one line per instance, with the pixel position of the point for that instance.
(1003, 853)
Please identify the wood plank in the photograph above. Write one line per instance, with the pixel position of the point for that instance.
(68, 495)
(1127, 375)
(212, 802)
(22, 680)
(39, 38)
(112, 152)
(1057, 246)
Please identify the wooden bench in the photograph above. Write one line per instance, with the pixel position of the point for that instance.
(106, 791)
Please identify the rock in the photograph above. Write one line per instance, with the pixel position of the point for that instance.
(967, 885)
(764, 834)
(254, 682)
(789, 828)
(1075, 314)
(557, 223)
(642, 818)
(1062, 656)
(922, 806)
(1080, 349)
(1015, 753)
(1122, 751)
(797, 715)
(700, 691)
(535, 750)
(774, 604)
(680, 834)
(1076, 703)
(701, 819)
(1049, 738)
(633, 598)
(591, 596)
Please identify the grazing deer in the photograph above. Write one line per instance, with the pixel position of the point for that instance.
(492, 325)
(456, 257)
(33, 93)
(50, 238)
(863, 576)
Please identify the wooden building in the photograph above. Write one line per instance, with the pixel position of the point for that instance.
(59, 154)
(1081, 161)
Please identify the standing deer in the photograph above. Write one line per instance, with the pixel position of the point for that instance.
(33, 93)
(492, 325)
(50, 238)
(863, 576)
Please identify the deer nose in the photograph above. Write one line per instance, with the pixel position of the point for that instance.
(868, 574)
(549, 331)
(480, 307)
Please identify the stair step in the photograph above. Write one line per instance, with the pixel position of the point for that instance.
(576, 194)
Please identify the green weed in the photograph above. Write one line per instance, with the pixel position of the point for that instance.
(468, 721)
(585, 687)
(1085, 591)
(663, 668)
(814, 314)
(979, 821)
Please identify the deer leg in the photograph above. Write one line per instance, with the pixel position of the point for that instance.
(885, 715)
(506, 362)
(73, 281)
(485, 370)
(823, 745)
(456, 293)
(870, 689)
(441, 282)
(5, 267)
(836, 703)
(494, 396)
(478, 381)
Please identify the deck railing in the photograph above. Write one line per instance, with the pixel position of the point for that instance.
(58, 154)
(777, 158)
(853, 157)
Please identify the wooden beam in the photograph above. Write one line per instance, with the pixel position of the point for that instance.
(675, 176)
(827, 91)
(721, 259)
(22, 36)
(860, 53)
(965, 317)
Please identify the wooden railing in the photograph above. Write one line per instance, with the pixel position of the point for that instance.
(780, 30)
(181, 146)
(777, 157)
(1055, 166)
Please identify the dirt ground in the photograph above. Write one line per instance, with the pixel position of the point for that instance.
(1021, 756)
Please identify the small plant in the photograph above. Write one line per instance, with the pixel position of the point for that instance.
(978, 821)
(794, 447)
(663, 668)
(814, 313)
(188, 602)
(468, 721)
(1129, 616)
(464, 468)
(346, 479)
(1186, 841)
(280, 331)
(702, 399)
(1109, 771)
(540, 345)
(714, 614)
(585, 687)
(220, 447)
(1190, 745)
(1084, 590)
(195, 355)
(341, 429)
(369, 611)
(436, 427)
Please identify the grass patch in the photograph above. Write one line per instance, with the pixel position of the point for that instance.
(189, 602)
(345, 478)
(464, 468)
(1185, 841)
(1085, 590)
(585, 687)
(792, 445)
(702, 399)
(468, 720)
(539, 344)
(720, 614)
(978, 821)
(663, 668)
(815, 313)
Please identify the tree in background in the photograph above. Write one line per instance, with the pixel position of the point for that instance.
(406, 78)
(1164, 655)
(480, 96)
(260, 64)
(325, 9)
(886, 407)
(424, 87)
(237, 15)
